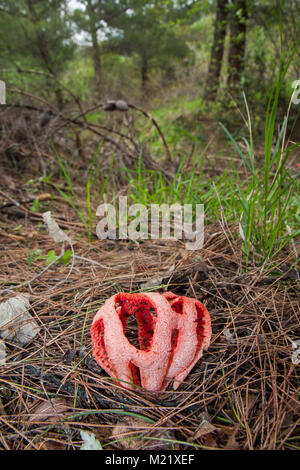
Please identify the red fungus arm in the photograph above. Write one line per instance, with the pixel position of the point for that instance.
(194, 334)
(170, 342)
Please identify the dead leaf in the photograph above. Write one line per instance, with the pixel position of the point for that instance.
(90, 442)
(44, 196)
(15, 321)
(49, 410)
(205, 426)
(290, 273)
(51, 444)
(2, 353)
(228, 336)
(32, 234)
(2, 408)
(55, 231)
(130, 432)
(288, 419)
(232, 443)
(208, 440)
(296, 352)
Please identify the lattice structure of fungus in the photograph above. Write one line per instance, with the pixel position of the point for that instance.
(173, 331)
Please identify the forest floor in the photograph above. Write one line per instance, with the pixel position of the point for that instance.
(242, 394)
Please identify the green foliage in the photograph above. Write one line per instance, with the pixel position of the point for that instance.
(34, 255)
(267, 217)
(93, 13)
(119, 78)
(65, 258)
(86, 213)
(35, 205)
(149, 32)
(35, 35)
(188, 186)
(78, 75)
(51, 257)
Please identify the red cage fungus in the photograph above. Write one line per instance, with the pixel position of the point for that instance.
(173, 331)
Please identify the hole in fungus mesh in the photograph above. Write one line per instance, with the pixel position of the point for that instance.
(177, 306)
(130, 330)
(138, 317)
(153, 312)
(200, 326)
(136, 376)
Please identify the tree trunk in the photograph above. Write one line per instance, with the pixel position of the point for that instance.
(217, 51)
(95, 48)
(238, 25)
(44, 52)
(144, 74)
(43, 48)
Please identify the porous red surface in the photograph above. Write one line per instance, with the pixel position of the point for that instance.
(171, 341)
